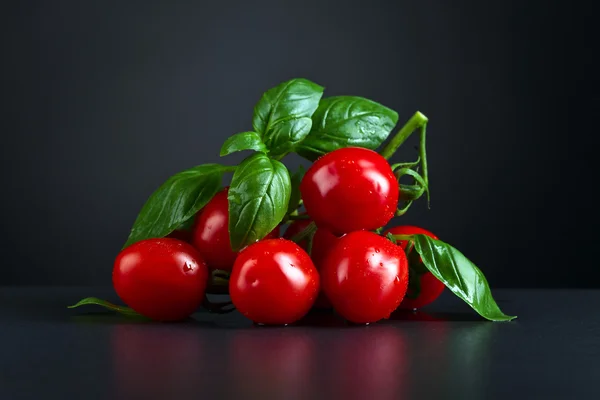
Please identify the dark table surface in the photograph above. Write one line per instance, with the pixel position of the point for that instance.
(551, 351)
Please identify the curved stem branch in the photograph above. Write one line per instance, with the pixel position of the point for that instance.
(416, 121)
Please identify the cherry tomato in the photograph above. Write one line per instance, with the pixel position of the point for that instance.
(162, 279)
(323, 242)
(273, 282)
(365, 277)
(350, 189)
(430, 287)
(211, 233)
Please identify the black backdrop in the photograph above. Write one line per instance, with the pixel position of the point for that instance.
(103, 100)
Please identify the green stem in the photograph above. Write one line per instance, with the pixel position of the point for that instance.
(407, 238)
(416, 121)
(401, 211)
(305, 233)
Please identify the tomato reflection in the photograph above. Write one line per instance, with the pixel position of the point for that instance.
(156, 361)
(272, 362)
(367, 362)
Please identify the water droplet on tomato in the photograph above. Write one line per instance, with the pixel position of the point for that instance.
(381, 264)
(187, 267)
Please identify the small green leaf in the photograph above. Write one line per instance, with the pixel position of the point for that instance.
(460, 275)
(343, 121)
(176, 201)
(282, 115)
(243, 141)
(103, 303)
(295, 195)
(258, 196)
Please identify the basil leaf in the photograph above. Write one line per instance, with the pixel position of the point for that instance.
(282, 115)
(103, 303)
(176, 201)
(286, 134)
(243, 141)
(258, 196)
(295, 195)
(460, 275)
(343, 121)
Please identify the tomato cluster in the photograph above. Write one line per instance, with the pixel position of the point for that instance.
(349, 194)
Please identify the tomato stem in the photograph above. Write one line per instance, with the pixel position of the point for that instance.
(306, 233)
(418, 120)
(407, 238)
(401, 211)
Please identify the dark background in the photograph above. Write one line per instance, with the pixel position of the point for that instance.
(103, 100)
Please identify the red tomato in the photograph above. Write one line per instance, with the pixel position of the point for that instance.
(211, 233)
(323, 242)
(431, 287)
(273, 282)
(365, 277)
(162, 279)
(350, 189)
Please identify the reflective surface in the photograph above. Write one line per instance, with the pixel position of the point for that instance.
(551, 351)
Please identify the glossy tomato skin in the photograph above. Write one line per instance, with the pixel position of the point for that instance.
(431, 287)
(162, 279)
(350, 189)
(365, 277)
(273, 282)
(323, 242)
(210, 234)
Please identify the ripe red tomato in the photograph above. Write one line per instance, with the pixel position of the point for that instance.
(365, 277)
(431, 287)
(162, 279)
(323, 242)
(273, 282)
(211, 233)
(350, 189)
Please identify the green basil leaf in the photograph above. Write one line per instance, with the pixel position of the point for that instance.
(176, 201)
(282, 115)
(344, 121)
(460, 275)
(295, 195)
(103, 303)
(286, 134)
(243, 141)
(259, 195)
